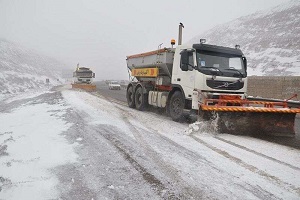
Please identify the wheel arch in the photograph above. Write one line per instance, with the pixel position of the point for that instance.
(145, 86)
(131, 84)
(175, 88)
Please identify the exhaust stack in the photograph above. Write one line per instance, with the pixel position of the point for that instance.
(180, 33)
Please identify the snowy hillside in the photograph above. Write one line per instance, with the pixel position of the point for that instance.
(22, 69)
(269, 39)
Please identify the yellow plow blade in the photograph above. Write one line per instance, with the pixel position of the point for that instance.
(86, 87)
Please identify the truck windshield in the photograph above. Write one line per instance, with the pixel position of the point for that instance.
(84, 74)
(220, 64)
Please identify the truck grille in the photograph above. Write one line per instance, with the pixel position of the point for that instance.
(225, 85)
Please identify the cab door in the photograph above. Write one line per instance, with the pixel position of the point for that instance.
(186, 72)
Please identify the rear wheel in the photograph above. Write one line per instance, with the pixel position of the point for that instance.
(130, 97)
(141, 100)
(176, 106)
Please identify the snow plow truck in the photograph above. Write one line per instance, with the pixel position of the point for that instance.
(83, 78)
(208, 80)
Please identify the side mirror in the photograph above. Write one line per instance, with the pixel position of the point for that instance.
(184, 63)
(93, 75)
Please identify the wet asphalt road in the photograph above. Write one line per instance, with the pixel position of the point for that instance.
(119, 95)
(294, 142)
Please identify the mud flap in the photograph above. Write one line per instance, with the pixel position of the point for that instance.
(256, 123)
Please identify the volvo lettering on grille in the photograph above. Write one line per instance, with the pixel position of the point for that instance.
(225, 85)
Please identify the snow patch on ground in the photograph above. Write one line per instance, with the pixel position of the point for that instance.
(32, 143)
(203, 127)
(99, 110)
(26, 95)
(276, 151)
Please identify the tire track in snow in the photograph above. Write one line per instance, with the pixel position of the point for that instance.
(167, 169)
(155, 183)
(95, 156)
(257, 153)
(109, 99)
(249, 167)
(160, 188)
(256, 190)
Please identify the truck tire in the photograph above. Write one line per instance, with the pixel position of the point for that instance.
(141, 99)
(130, 97)
(176, 106)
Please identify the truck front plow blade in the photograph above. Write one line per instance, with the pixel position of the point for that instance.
(86, 87)
(256, 123)
(246, 118)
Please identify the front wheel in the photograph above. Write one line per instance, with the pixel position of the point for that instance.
(130, 97)
(176, 106)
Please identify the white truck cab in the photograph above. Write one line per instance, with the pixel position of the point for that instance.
(210, 70)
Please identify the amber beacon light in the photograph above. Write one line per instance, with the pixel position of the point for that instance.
(173, 42)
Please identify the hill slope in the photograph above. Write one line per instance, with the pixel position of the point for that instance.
(269, 39)
(22, 69)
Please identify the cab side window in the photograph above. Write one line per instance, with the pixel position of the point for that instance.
(187, 61)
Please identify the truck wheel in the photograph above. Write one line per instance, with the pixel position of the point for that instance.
(141, 100)
(176, 106)
(130, 97)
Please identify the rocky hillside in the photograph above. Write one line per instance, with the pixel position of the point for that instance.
(22, 69)
(270, 39)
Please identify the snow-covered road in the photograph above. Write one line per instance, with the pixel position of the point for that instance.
(67, 144)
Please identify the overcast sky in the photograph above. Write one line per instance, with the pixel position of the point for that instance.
(100, 34)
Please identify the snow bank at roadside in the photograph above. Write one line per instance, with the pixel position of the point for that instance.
(31, 143)
(27, 95)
